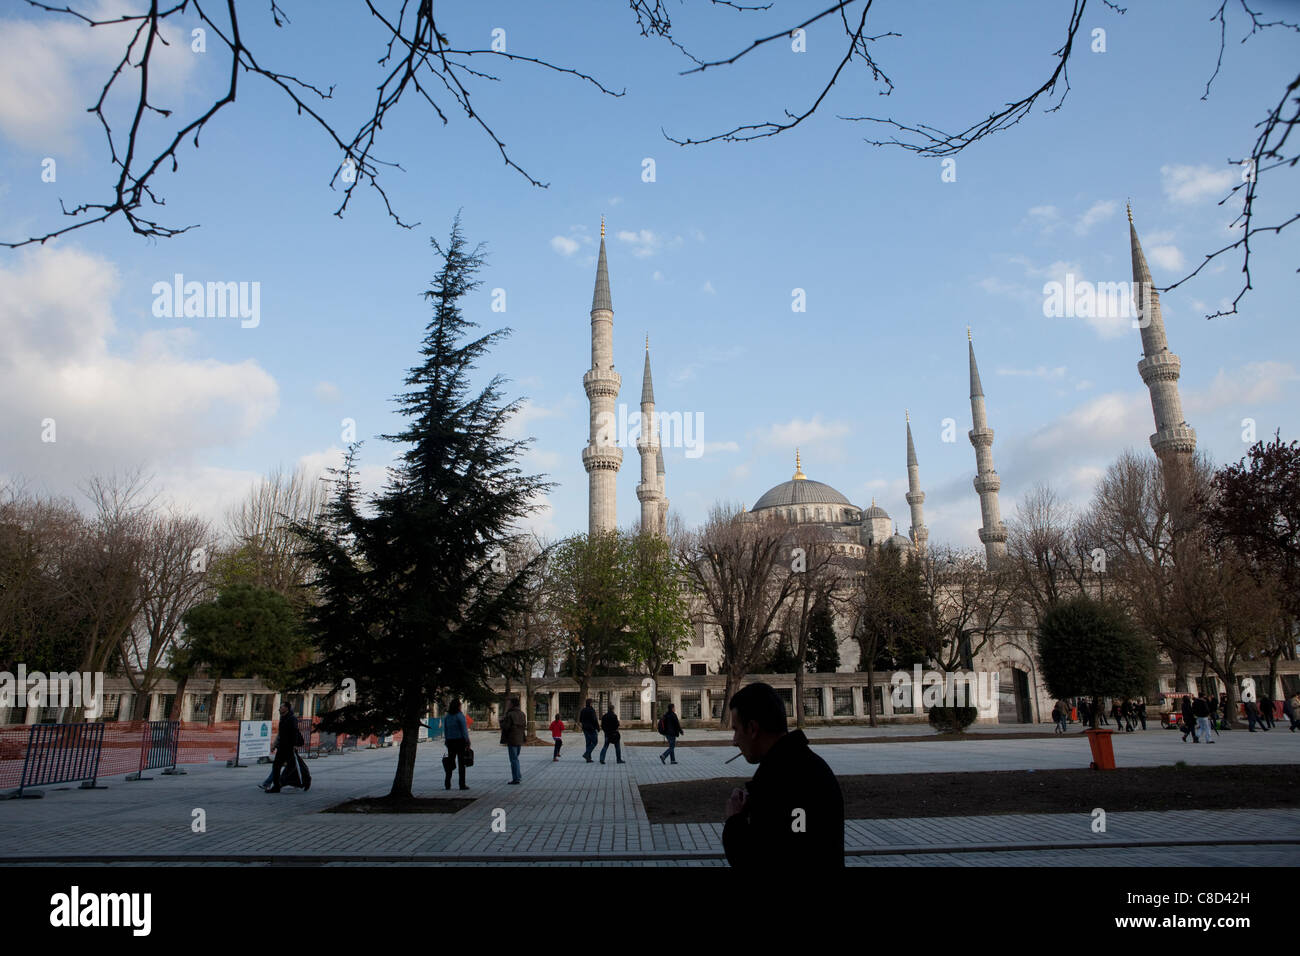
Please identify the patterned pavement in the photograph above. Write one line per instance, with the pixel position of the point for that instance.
(576, 813)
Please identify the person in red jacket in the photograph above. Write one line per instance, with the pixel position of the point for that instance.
(557, 731)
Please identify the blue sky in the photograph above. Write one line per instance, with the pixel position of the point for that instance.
(895, 262)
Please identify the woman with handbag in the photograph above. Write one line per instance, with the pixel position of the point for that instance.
(455, 733)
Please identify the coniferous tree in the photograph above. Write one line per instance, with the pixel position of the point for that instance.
(413, 595)
(823, 645)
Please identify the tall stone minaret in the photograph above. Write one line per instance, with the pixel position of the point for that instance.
(987, 483)
(649, 492)
(1159, 367)
(663, 492)
(602, 457)
(919, 533)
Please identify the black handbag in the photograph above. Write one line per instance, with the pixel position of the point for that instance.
(469, 755)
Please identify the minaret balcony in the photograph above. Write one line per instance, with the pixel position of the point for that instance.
(915, 497)
(602, 457)
(602, 381)
(1161, 367)
(999, 534)
(981, 436)
(988, 482)
(1174, 438)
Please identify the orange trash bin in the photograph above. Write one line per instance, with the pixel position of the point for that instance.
(1103, 754)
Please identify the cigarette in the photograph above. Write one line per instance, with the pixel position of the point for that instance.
(729, 759)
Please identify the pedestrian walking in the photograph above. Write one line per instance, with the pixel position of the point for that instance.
(1294, 703)
(1058, 720)
(1118, 713)
(1201, 708)
(455, 734)
(671, 728)
(609, 724)
(514, 725)
(1266, 711)
(1141, 709)
(1252, 714)
(287, 737)
(1085, 715)
(1189, 720)
(590, 729)
(557, 732)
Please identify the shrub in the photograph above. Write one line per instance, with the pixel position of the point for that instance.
(952, 720)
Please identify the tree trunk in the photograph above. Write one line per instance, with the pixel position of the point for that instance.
(178, 705)
(212, 705)
(529, 706)
(798, 694)
(728, 692)
(406, 751)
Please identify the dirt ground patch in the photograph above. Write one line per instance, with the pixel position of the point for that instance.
(897, 795)
(821, 741)
(413, 805)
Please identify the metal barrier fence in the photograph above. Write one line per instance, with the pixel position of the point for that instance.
(159, 744)
(61, 753)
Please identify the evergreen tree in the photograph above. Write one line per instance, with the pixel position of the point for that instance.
(413, 594)
(823, 645)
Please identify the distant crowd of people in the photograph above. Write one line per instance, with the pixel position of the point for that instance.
(1199, 716)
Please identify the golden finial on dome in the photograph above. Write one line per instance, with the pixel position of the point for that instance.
(798, 469)
(1128, 207)
(906, 416)
(968, 338)
(602, 227)
(647, 341)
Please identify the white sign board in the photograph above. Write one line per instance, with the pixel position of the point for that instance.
(255, 737)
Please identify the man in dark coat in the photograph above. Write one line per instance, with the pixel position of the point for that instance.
(590, 729)
(791, 814)
(1266, 718)
(1189, 721)
(609, 723)
(286, 739)
(672, 729)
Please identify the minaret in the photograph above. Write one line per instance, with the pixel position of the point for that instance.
(602, 457)
(649, 492)
(663, 492)
(1159, 367)
(987, 483)
(919, 533)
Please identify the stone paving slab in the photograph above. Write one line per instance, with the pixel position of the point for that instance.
(579, 812)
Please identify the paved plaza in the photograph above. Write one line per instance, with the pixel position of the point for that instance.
(576, 813)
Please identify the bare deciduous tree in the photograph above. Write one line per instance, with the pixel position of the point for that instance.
(741, 569)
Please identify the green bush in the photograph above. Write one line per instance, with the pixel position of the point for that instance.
(952, 720)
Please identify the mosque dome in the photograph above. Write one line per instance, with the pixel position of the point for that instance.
(900, 542)
(875, 511)
(801, 490)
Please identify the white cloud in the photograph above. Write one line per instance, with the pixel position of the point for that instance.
(657, 276)
(799, 432)
(1166, 257)
(1042, 371)
(150, 406)
(643, 242)
(1190, 184)
(708, 287)
(564, 245)
(710, 446)
(1255, 383)
(327, 392)
(52, 69)
(1098, 211)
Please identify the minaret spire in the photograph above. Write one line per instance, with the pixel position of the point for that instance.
(1159, 367)
(919, 533)
(650, 491)
(987, 483)
(602, 457)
